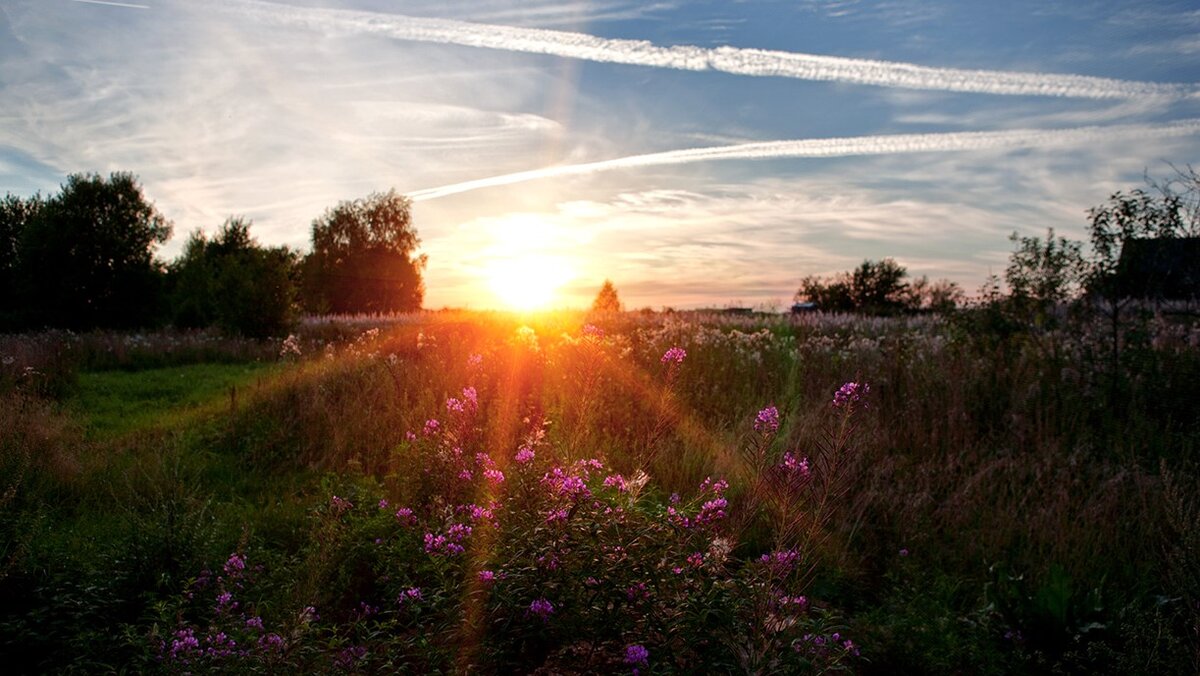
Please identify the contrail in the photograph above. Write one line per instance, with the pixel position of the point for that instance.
(837, 147)
(114, 4)
(739, 61)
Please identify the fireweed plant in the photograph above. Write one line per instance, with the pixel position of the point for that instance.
(499, 559)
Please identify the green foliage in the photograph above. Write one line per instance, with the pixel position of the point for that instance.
(234, 283)
(362, 258)
(87, 256)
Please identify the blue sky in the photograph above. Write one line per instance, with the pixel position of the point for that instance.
(276, 111)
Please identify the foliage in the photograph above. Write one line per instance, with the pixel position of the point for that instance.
(15, 215)
(87, 256)
(878, 288)
(362, 258)
(1042, 275)
(607, 299)
(234, 283)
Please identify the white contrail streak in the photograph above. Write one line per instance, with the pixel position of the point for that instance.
(837, 147)
(114, 4)
(739, 61)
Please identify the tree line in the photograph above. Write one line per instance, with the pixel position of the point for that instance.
(1143, 246)
(85, 258)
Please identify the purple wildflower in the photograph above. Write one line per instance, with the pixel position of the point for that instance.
(636, 654)
(850, 394)
(767, 420)
(675, 355)
(542, 608)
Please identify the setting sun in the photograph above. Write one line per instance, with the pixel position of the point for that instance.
(527, 282)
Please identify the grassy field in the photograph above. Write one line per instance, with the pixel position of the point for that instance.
(116, 403)
(659, 493)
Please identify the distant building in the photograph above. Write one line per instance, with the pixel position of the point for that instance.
(804, 308)
(1165, 268)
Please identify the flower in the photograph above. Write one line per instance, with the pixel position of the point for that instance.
(235, 565)
(636, 654)
(340, 505)
(487, 576)
(542, 608)
(793, 466)
(524, 455)
(767, 420)
(674, 355)
(850, 394)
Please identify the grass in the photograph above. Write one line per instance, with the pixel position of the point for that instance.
(112, 404)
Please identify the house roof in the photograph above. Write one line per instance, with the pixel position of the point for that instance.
(1166, 268)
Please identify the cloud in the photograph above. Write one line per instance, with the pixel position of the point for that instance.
(838, 147)
(739, 61)
(114, 4)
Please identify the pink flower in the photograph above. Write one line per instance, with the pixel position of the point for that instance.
(494, 475)
(542, 608)
(487, 576)
(767, 420)
(636, 654)
(524, 455)
(340, 505)
(793, 466)
(675, 355)
(615, 481)
(850, 394)
(405, 516)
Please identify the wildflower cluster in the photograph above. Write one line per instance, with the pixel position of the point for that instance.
(711, 509)
(850, 394)
(767, 420)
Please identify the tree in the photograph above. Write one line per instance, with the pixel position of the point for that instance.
(1165, 213)
(1043, 274)
(940, 296)
(362, 258)
(233, 282)
(87, 255)
(830, 294)
(878, 288)
(15, 215)
(607, 299)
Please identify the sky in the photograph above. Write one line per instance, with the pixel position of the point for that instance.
(702, 153)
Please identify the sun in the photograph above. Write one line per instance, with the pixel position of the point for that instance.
(528, 282)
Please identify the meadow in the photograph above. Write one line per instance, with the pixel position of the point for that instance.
(618, 493)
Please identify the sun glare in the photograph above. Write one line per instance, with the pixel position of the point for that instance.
(528, 282)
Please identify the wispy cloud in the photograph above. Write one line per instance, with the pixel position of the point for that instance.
(838, 147)
(114, 4)
(739, 61)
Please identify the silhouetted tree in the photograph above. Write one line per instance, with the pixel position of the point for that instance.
(942, 295)
(830, 294)
(15, 215)
(1043, 274)
(87, 256)
(879, 288)
(607, 299)
(362, 258)
(233, 282)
